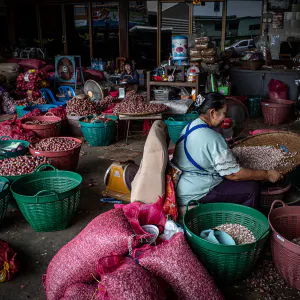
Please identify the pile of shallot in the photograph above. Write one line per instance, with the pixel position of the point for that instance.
(55, 144)
(97, 119)
(20, 165)
(81, 107)
(22, 102)
(38, 122)
(134, 104)
(31, 102)
(107, 101)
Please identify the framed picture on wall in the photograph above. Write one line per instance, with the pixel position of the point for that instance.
(278, 19)
(279, 5)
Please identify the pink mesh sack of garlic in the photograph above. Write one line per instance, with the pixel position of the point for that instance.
(81, 291)
(77, 261)
(175, 262)
(124, 279)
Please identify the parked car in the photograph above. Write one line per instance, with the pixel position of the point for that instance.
(241, 46)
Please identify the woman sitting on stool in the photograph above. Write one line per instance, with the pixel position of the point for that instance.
(210, 172)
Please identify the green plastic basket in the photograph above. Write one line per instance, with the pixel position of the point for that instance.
(177, 123)
(254, 106)
(99, 134)
(5, 143)
(48, 199)
(226, 264)
(4, 196)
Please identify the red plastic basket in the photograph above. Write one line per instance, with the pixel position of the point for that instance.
(285, 225)
(64, 160)
(44, 131)
(269, 194)
(275, 113)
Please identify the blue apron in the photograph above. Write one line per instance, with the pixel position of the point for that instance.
(189, 157)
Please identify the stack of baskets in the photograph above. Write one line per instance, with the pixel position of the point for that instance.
(254, 106)
(227, 264)
(99, 134)
(43, 130)
(285, 225)
(177, 123)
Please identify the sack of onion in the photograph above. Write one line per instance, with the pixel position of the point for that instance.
(63, 151)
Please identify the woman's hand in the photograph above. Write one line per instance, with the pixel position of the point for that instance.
(274, 176)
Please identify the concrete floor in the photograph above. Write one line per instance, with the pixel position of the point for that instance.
(35, 250)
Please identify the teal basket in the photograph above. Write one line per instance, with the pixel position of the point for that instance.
(20, 110)
(7, 142)
(254, 106)
(48, 200)
(99, 134)
(177, 123)
(42, 107)
(4, 196)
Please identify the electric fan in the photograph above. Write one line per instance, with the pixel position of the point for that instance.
(67, 69)
(94, 90)
(237, 118)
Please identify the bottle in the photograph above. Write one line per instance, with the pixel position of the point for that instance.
(194, 94)
(96, 65)
(192, 75)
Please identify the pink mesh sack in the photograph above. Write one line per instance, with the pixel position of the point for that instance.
(77, 261)
(175, 262)
(123, 279)
(139, 214)
(81, 291)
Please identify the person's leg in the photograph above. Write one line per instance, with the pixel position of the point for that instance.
(239, 192)
(181, 212)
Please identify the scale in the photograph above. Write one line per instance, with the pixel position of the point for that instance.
(118, 179)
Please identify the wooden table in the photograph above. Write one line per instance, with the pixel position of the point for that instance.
(128, 120)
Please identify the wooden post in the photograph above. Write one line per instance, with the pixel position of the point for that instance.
(148, 86)
(124, 29)
(39, 27)
(261, 18)
(158, 39)
(90, 28)
(191, 10)
(224, 16)
(64, 29)
(11, 25)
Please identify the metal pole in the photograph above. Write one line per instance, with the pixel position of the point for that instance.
(191, 10)
(224, 16)
(90, 28)
(159, 21)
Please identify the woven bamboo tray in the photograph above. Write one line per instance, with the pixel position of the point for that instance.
(139, 114)
(288, 139)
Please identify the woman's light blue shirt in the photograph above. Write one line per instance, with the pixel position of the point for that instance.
(209, 150)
